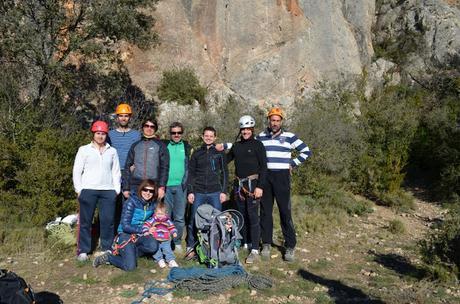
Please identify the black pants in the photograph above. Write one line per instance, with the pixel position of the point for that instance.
(278, 187)
(249, 208)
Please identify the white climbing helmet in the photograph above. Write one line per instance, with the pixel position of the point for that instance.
(247, 121)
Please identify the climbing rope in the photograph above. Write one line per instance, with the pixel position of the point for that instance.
(204, 280)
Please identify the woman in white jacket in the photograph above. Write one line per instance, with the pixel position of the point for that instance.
(96, 179)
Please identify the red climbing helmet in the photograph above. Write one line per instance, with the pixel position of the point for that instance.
(100, 126)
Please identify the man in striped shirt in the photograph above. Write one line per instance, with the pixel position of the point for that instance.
(121, 139)
(279, 145)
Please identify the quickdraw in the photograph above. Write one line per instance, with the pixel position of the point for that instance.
(117, 247)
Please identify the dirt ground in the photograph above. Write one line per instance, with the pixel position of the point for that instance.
(359, 261)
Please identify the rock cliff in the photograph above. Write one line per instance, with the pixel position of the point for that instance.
(276, 50)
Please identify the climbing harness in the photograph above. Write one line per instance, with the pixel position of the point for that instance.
(117, 247)
(241, 190)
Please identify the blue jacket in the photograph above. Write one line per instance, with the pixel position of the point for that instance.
(135, 213)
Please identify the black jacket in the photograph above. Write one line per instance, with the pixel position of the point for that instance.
(250, 158)
(208, 171)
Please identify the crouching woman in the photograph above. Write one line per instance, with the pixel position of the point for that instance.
(130, 242)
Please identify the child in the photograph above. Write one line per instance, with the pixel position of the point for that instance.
(161, 227)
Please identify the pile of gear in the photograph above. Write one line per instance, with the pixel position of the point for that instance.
(60, 232)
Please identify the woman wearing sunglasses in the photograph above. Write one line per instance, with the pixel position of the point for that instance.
(147, 159)
(130, 242)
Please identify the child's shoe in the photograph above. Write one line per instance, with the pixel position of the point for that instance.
(173, 264)
(162, 263)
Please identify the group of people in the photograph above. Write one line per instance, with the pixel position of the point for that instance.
(152, 180)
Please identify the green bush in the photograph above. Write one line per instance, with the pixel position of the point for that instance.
(329, 209)
(387, 123)
(436, 148)
(398, 200)
(441, 248)
(43, 183)
(396, 227)
(182, 86)
(326, 123)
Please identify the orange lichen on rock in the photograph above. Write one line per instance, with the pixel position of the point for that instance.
(292, 6)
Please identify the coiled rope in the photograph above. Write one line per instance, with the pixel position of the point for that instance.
(203, 280)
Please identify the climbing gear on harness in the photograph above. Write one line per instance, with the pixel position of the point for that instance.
(241, 188)
(275, 111)
(117, 247)
(247, 121)
(123, 108)
(218, 235)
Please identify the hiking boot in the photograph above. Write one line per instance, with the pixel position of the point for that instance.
(82, 257)
(100, 252)
(173, 264)
(253, 257)
(289, 255)
(266, 251)
(102, 259)
(189, 254)
(162, 263)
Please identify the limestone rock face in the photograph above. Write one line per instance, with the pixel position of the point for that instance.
(274, 50)
(429, 30)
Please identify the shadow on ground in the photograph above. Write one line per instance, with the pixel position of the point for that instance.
(339, 292)
(46, 297)
(399, 264)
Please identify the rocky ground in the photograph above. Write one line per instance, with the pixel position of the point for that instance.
(362, 260)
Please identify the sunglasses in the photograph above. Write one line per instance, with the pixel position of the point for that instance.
(150, 126)
(148, 190)
(176, 133)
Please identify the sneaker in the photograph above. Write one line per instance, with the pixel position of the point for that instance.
(101, 252)
(253, 257)
(82, 257)
(289, 255)
(178, 248)
(162, 263)
(266, 251)
(173, 264)
(102, 259)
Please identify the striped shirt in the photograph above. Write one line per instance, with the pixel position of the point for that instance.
(122, 142)
(279, 148)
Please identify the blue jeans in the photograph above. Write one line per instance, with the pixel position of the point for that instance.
(164, 250)
(212, 199)
(104, 200)
(127, 257)
(175, 198)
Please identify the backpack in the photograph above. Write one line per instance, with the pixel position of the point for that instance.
(14, 290)
(218, 236)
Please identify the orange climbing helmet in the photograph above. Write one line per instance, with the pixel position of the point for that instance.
(123, 108)
(275, 111)
(100, 126)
